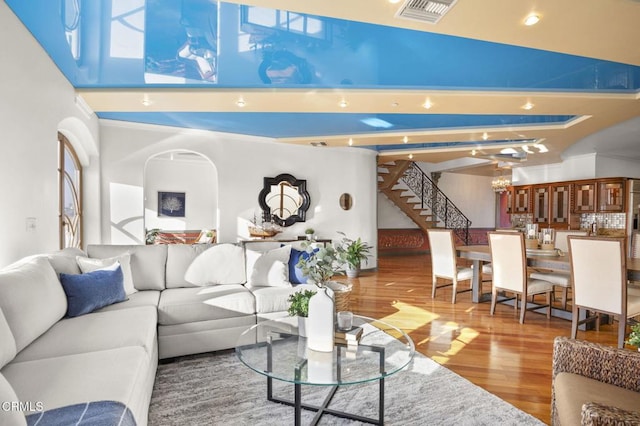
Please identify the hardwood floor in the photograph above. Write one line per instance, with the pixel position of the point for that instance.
(510, 360)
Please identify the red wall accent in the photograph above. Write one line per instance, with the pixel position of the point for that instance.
(415, 241)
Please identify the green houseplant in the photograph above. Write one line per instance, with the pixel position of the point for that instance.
(299, 307)
(352, 253)
(309, 233)
(299, 303)
(634, 336)
(320, 265)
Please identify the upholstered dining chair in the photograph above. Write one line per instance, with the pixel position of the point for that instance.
(599, 276)
(444, 263)
(509, 264)
(560, 278)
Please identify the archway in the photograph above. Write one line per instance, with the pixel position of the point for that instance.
(180, 192)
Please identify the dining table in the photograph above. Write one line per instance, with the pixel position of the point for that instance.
(480, 254)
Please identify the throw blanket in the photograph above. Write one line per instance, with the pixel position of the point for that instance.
(96, 413)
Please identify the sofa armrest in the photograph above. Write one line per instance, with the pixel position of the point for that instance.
(618, 367)
(598, 415)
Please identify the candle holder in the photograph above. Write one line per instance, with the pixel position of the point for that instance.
(531, 236)
(547, 239)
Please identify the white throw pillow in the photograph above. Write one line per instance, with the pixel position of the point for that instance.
(89, 264)
(220, 264)
(268, 269)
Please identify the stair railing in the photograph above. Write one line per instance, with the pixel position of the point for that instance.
(434, 199)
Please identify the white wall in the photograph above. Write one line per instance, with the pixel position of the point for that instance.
(196, 178)
(35, 99)
(241, 162)
(585, 166)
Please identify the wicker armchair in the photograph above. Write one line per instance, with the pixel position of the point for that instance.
(608, 365)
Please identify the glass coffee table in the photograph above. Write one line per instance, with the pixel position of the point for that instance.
(274, 348)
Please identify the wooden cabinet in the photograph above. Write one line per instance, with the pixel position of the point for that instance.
(551, 204)
(540, 199)
(560, 204)
(521, 199)
(611, 196)
(584, 197)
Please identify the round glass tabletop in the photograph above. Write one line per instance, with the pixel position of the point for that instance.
(274, 348)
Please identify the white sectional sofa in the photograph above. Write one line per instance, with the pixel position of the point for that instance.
(103, 363)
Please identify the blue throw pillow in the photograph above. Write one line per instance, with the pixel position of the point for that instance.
(93, 290)
(295, 273)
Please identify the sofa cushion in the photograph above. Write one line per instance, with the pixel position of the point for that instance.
(268, 269)
(572, 391)
(31, 299)
(137, 299)
(220, 264)
(8, 346)
(274, 299)
(90, 264)
(9, 416)
(93, 290)
(179, 258)
(96, 332)
(124, 374)
(147, 262)
(182, 305)
(64, 261)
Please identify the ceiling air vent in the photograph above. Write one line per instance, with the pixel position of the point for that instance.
(425, 10)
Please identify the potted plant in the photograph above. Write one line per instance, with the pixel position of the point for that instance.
(299, 307)
(151, 234)
(353, 252)
(634, 336)
(309, 233)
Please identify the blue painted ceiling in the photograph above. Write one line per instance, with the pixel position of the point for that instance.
(196, 44)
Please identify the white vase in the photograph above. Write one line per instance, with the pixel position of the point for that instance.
(302, 326)
(320, 323)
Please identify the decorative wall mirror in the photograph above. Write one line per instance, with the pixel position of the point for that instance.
(285, 199)
(346, 201)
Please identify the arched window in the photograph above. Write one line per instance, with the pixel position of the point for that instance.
(70, 180)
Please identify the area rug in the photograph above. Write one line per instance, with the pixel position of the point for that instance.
(217, 389)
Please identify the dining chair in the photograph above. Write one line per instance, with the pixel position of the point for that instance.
(444, 263)
(560, 278)
(509, 264)
(599, 282)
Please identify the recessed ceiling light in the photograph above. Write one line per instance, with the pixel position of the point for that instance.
(241, 103)
(527, 106)
(394, 1)
(485, 136)
(531, 19)
(473, 152)
(343, 103)
(427, 104)
(410, 156)
(405, 139)
(350, 141)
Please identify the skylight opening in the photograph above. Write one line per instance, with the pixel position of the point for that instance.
(376, 123)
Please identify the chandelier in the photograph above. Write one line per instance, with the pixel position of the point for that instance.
(500, 184)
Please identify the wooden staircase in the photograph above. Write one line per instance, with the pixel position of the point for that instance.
(389, 184)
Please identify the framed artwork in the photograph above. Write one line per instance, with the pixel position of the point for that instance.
(171, 204)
